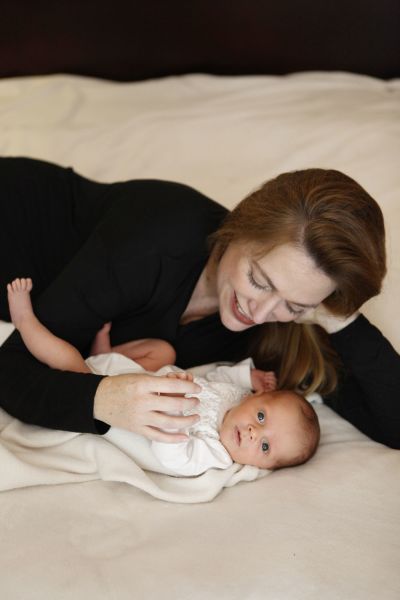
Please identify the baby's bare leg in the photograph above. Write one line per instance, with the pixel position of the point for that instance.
(101, 343)
(41, 343)
(151, 354)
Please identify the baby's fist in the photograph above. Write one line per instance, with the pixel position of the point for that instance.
(263, 381)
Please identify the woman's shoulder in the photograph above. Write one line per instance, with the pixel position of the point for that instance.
(187, 212)
(173, 200)
(164, 214)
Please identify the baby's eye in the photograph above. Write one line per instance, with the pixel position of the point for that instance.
(265, 447)
(260, 416)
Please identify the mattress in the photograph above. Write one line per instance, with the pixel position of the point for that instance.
(327, 529)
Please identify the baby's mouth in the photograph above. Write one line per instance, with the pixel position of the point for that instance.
(238, 436)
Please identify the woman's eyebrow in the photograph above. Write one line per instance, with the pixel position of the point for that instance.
(263, 274)
(274, 288)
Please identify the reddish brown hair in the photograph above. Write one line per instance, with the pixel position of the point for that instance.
(341, 227)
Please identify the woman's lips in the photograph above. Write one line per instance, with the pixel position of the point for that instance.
(238, 314)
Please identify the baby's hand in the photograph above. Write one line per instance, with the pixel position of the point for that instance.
(263, 381)
(186, 376)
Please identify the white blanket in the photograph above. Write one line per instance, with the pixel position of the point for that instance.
(32, 455)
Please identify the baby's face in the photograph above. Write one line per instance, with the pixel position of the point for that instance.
(262, 429)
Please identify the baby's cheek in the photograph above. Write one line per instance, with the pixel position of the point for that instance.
(246, 457)
(236, 456)
(257, 460)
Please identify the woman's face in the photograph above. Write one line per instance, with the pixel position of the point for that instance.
(280, 286)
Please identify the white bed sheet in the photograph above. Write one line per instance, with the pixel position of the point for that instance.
(328, 529)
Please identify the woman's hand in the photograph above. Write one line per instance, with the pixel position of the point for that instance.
(139, 403)
(321, 316)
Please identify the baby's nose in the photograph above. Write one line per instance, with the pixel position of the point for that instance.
(252, 432)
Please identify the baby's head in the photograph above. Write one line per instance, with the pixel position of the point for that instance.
(271, 430)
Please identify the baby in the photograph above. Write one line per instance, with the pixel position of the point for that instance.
(268, 429)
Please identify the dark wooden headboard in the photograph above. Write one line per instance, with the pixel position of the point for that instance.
(129, 40)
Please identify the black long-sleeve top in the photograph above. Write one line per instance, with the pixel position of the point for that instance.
(131, 253)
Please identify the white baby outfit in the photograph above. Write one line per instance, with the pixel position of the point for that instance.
(222, 388)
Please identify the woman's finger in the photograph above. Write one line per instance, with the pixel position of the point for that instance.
(168, 385)
(163, 421)
(171, 404)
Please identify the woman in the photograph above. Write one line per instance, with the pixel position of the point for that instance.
(138, 254)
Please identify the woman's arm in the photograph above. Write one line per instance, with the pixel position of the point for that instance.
(368, 394)
(91, 403)
(73, 307)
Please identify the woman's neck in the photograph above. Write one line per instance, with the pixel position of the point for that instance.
(204, 298)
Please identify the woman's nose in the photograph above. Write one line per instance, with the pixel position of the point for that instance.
(262, 311)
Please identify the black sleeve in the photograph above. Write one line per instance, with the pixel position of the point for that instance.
(36, 394)
(368, 394)
(56, 399)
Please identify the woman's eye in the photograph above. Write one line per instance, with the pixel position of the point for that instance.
(255, 284)
(260, 416)
(265, 447)
(293, 311)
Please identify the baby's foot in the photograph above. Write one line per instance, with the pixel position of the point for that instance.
(19, 300)
(101, 343)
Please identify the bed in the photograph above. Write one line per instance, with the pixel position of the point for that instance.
(221, 96)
